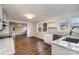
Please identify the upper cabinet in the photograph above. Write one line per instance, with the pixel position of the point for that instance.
(0, 11)
(44, 27)
(3, 20)
(52, 23)
(4, 17)
(39, 27)
(0, 17)
(47, 26)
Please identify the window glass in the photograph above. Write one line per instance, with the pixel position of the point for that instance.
(75, 21)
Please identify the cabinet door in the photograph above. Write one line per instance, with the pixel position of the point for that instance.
(39, 27)
(4, 15)
(74, 53)
(0, 17)
(0, 24)
(48, 38)
(0, 11)
(52, 25)
(57, 50)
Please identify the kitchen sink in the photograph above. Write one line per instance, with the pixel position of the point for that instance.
(72, 40)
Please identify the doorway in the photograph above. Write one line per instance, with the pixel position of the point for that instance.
(20, 29)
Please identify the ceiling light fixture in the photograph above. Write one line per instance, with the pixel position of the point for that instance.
(19, 25)
(29, 16)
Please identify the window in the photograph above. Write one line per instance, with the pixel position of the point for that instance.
(75, 22)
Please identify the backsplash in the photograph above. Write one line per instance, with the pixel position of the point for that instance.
(51, 30)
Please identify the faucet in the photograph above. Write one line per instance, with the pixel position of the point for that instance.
(72, 29)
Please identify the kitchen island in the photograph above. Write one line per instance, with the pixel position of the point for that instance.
(61, 47)
(7, 46)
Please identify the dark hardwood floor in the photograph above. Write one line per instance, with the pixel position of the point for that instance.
(31, 46)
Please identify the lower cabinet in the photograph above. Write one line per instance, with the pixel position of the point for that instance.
(48, 38)
(58, 50)
(0, 25)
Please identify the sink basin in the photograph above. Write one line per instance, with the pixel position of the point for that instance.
(72, 40)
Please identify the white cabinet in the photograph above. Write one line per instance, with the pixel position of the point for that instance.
(0, 17)
(4, 24)
(4, 17)
(58, 50)
(48, 38)
(74, 53)
(0, 24)
(52, 24)
(40, 27)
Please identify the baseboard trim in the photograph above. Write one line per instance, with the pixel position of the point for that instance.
(37, 37)
(41, 39)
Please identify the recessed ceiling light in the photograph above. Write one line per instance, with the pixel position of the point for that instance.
(29, 15)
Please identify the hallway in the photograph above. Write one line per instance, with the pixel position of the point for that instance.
(31, 46)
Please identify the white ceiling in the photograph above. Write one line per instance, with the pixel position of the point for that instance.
(41, 11)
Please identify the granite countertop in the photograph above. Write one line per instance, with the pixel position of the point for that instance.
(69, 45)
(7, 46)
(58, 33)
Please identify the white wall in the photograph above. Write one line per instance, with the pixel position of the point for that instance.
(31, 29)
(19, 30)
